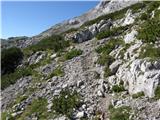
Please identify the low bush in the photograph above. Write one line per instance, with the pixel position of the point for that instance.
(71, 30)
(118, 88)
(65, 103)
(157, 92)
(38, 107)
(144, 16)
(120, 113)
(152, 6)
(6, 116)
(8, 79)
(10, 59)
(138, 95)
(109, 46)
(107, 72)
(112, 32)
(57, 72)
(55, 43)
(149, 31)
(150, 52)
(73, 53)
(105, 60)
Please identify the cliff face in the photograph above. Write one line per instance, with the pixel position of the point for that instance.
(107, 67)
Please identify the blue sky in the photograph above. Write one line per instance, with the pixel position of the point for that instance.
(31, 18)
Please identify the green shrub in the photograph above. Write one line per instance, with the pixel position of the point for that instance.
(152, 6)
(122, 52)
(157, 14)
(73, 53)
(57, 72)
(144, 16)
(37, 106)
(137, 95)
(157, 92)
(112, 32)
(120, 113)
(8, 79)
(10, 59)
(107, 72)
(109, 46)
(65, 103)
(118, 88)
(71, 30)
(151, 52)
(55, 43)
(105, 60)
(149, 31)
(6, 116)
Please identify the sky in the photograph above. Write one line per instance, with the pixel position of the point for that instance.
(31, 18)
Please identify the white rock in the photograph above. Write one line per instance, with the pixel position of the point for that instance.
(61, 118)
(130, 37)
(80, 114)
(115, 65)
(140, 76)
(84, 106)
(80, 83)
(129, 19)
(53, 56)
(100, 93)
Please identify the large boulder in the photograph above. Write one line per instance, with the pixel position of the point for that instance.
(83, 35)
(115, 65)
(36, 57)
(104, 25)
(140, 75)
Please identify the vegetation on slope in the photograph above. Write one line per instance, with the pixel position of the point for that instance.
(73, 53)
(8, 79)
(149, 31)
(66, 102)
(10, 59)
(54, 42)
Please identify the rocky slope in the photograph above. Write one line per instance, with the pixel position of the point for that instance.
(109, 71)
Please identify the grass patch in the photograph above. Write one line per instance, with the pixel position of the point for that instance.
(149, 31)
(73, 53)
(122, 52)
(109, 46)
(118, 88)
(112, 32)
(152, 6)
(38, 106)
(65, 103)
(55, 43)
(107, 72)
(8, 79)
(57, 72)
(151, 52)
(5, 115)
(138, 95)
(105, 60)
(157, 92)
(71, 30)
(120, 113)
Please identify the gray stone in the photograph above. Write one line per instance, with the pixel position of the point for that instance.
(80, 114)
(82, 36)
(115, 65)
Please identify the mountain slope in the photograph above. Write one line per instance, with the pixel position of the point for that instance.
(107, 69)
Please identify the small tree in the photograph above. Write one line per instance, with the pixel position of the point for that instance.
(10, 59)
